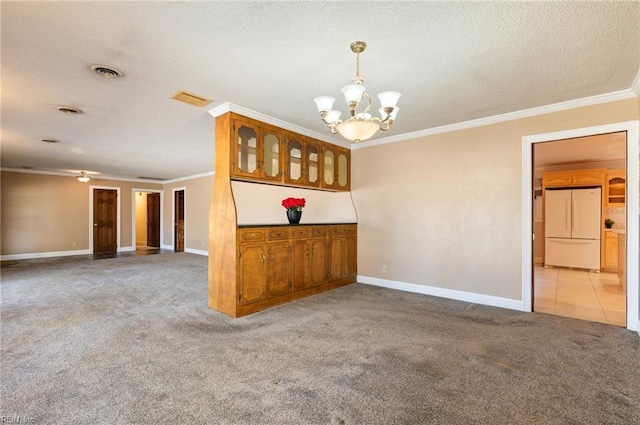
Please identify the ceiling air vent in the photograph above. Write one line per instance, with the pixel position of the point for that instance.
(49, 141)
(107, 71)
(190, 98)
(69, 110)
(150, 178)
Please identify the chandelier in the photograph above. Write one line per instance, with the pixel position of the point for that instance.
(360, 125)
(83, 178)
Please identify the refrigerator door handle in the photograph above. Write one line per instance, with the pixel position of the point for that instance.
(566, 215)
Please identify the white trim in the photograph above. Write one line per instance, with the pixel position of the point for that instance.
(127, 249)
(118, 213)
(44, 254)
(197, 251)
(635, 86)
(133, 212)
(525, 113)
(633, 209)
(74, 175)
(166, 247)
(173, 217)
(443, 293)
(195, 176)
(231, 107)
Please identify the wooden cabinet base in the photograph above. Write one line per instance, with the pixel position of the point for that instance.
(246, 309)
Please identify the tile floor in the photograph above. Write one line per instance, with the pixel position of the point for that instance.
(579, 294)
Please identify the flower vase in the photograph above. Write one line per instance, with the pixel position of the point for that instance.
(294, 216)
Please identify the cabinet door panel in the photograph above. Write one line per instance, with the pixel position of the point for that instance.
(312, 164)
(295, 161)
(300, 265)
(351, 262)
(329, 168)
(318, 266)
(271, 155)
(336, 258)
(246, 150)
(253, 273)
(278, 269)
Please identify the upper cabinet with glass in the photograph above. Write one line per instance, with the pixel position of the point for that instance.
(264, 153)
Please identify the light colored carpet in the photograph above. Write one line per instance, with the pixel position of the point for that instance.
(131, 341)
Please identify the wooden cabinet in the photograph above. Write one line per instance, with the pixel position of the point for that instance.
(264, 153)
(282, 263)
(574, 178)
(615, 190)
(256, 150)
(610, 251)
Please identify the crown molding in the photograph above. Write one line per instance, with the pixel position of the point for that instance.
(525, 113)
(250, 113)
(635, 86)
(195, 176)
(93, 176)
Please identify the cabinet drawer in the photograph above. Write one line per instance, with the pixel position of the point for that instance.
(300, 232)
(587, 179)
(278, 234)
(318, 232)
(350, 230)
(251, 235)
(336, 230)
(611, 235)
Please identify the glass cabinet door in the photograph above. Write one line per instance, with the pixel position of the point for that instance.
(313, 156)
(294, 160)
(246, 150)
(329, 169)
(343, 170)
(271, 155)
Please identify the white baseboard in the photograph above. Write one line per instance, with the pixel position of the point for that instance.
(197, 251)
(166, 247)
(126, 249)
(44, 254)
(444, 293)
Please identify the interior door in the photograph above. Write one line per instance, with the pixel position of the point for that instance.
(153, 220)
(178, 237)
(105, 221)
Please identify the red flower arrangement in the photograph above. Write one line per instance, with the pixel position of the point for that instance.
(294, 204)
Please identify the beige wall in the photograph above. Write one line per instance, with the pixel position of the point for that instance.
(198, 192)
(445, 210)
(44, 213)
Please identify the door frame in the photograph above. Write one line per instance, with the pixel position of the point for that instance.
(117, 189)
(133, 213)
(632, 206)
(173, 216)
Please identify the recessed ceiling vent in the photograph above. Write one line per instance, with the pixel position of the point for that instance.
(50, 141)
(150, 178)
(190, 98)
(107, 71)
(69, 110)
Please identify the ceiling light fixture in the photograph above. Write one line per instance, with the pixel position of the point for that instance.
(359, 126)
(83, 178)
(69, 110)
(106, 71)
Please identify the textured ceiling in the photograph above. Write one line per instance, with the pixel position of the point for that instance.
(452, 62)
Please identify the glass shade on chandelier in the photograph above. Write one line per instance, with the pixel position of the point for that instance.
(360, 125)
(83, 178)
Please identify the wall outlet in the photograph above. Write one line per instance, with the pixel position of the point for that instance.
(384, 268)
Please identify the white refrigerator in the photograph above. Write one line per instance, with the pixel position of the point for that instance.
(572, 226)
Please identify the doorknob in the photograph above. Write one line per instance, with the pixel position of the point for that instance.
(95, 225)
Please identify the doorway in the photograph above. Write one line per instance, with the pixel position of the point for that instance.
(572, 275)
(105, 221)
(147, 220)
(178, 221)
(630, 258)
